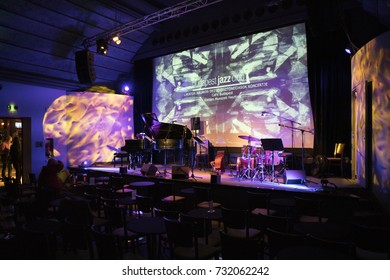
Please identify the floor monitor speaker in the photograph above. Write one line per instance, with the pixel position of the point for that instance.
(148, 169)
(85, 67)
(180, 172)
(294, 177)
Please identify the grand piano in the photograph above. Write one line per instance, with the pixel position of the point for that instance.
(168, 136)
(138, 151)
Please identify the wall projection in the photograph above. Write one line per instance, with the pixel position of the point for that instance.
(254, 85)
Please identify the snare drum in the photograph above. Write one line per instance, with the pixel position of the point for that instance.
(268, 158)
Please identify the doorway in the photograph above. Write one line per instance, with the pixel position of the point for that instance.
(11, 127)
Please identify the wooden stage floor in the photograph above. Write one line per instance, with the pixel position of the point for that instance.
(311, 184)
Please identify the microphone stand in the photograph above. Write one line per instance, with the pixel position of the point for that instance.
(292, 122)
(194, 159)
(302, 132)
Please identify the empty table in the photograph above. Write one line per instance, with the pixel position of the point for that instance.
(150, 226)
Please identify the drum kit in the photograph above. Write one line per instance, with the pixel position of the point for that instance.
(257, 163)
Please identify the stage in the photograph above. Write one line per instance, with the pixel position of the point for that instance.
(229, 178)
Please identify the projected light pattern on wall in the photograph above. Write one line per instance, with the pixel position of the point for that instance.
(253, 85)
(88, 127)
(372, 63)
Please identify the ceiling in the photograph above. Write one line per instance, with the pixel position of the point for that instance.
(39, 38)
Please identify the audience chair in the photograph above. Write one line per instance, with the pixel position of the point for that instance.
(332, 249)
(337, 160)
(308, 209)
(77, 236)
(184, 244)
(236, 223)
(94, 203)
(277, 240)
(372, 242)
(279, 223)
(339, 209)
(203, 230)
(203, 197)
(258, 202)
(169, 198)
(237, 248)
(107, 245)
(117, 225)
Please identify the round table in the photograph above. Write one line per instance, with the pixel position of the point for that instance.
(206, 215)
(150, 226)
(140, 187)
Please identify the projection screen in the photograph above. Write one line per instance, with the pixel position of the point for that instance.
(255, 85)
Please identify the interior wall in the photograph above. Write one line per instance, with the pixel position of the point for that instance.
(372, 64)
(32, 102)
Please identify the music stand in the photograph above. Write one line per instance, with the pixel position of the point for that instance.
(272, 144)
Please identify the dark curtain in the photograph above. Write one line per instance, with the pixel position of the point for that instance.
(143, 79)
(330, 91)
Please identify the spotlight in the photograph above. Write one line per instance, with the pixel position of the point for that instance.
(124, 86)
(116, 39)
(351, 49)
(127, 89)
(102, 46)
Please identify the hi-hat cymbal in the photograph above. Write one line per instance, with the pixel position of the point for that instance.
(249, 138)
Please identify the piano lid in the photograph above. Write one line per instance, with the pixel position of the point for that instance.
(170, 131)
(161, 130)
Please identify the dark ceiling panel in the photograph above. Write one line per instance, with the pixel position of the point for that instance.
(39, 38)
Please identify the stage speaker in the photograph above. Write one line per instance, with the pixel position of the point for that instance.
(123, 170)
(195, 123)
(85, 67)
(294, 177)
(148, 169)
(180, 172)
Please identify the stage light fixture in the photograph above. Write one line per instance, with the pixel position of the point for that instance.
(127, 88)
(348, 50)
(102, 46)
(351, 49)
(116, 39)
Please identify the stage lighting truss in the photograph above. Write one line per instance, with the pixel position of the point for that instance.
(149, 20)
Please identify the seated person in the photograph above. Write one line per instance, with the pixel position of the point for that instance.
(54, 178)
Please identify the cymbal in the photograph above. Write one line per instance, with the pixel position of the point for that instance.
(249, 138)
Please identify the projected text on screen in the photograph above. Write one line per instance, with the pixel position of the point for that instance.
(252, 85)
